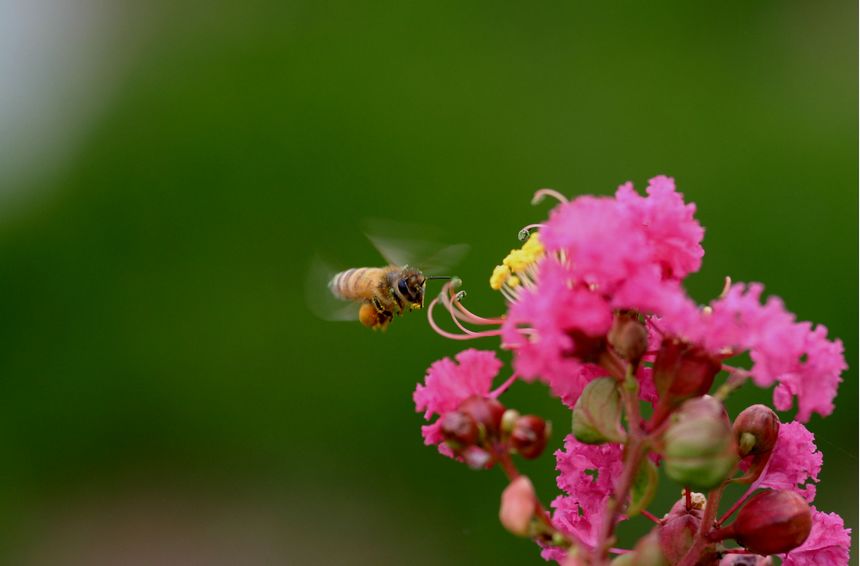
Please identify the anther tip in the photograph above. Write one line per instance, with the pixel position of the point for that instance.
(524, 234)
(459, 296)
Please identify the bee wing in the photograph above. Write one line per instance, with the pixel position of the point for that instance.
(414, 245)
(319, 297)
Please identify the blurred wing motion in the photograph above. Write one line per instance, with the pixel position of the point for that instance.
(319, 297)
(376, 294)
(414, 245)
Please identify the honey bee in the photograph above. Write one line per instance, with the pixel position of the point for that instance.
(385, 292)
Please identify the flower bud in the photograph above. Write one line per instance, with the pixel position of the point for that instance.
(576, 558)
(626, 559)
(699, 447)
(509, 418)
(762, 425)
(459, 430)
(756, 430)
(518, 506)
(647, 552)
(486, 412)
(675, 536)
(597, 413)
(628, 337)
(529, 436)
(477, 458)
(772, 522)
(681, 371)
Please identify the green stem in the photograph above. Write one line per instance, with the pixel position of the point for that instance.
(636, 449)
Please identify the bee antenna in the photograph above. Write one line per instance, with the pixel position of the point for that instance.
(431, 277)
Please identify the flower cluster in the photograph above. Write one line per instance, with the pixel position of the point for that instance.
(596, 309)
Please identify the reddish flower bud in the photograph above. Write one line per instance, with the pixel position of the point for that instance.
(628, 337)
(681, 371)
(529, 436)
(756, 430)
(647, 552)
(676, 534)
(761, 427)
(477, 458)
(459, 430)
(772, 522)
(518, 506)
(486, 412)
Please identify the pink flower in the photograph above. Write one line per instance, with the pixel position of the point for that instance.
(587, 475)
(668, 224)
(827, 545)
(448, 384)
(567, 329)
(598, 238)
(799, 358)
(795, 462)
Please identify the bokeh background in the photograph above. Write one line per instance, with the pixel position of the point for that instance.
(167, 170)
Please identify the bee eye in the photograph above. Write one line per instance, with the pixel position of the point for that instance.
(403, 287)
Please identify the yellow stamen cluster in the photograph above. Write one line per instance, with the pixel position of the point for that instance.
(518, 267)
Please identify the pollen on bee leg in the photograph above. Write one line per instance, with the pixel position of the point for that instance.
(367, 315)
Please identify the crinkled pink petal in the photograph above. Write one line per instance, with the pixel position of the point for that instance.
(668, 223)
(587, 474)
(557, 315)
(596, 236)
(448, 384)
(795, 462)
(828, 544)
(804, 363)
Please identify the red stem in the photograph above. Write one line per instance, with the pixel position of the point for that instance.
(736, 505)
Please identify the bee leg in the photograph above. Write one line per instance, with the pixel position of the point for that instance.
(372, 317)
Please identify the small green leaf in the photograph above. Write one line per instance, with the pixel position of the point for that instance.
(644, 487)
(597, 413)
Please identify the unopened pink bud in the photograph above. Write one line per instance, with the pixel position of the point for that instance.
(529, 436)
(518, 506)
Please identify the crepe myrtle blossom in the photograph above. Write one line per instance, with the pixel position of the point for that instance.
(596, 309)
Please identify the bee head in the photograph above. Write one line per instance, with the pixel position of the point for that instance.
(410, 286)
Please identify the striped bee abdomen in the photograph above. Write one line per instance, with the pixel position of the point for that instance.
(358, 283)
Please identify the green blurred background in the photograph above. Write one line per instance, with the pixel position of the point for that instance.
(167, 171)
